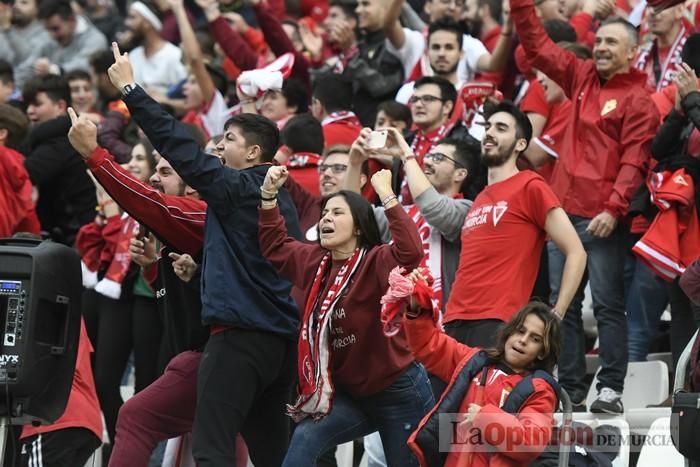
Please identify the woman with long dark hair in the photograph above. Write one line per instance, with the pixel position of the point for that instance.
(353, 379)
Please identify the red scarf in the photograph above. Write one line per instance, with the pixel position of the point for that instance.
(397, 298)
(431, 239)
(667, 68)
(111, 284)
(343, 58)
(316, 388)
(303, 159)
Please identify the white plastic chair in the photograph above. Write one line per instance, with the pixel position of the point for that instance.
(646, 384)
(594, 420)
(659, 450)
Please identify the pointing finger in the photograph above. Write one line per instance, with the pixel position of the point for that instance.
(115, 50)
(73, 116)
(174, 256)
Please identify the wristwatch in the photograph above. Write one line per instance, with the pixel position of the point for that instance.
(126, 89)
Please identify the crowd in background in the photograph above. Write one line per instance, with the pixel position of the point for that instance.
(203, 158)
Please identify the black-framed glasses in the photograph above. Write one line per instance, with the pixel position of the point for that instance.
(335, 168)
(425, 100)
(438, 157)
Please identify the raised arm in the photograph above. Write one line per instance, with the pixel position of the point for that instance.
(232, 44)
(392, 25)
(497, 60)
(192, 51)
(407, 249)
(279, 42)
(440, 353)
(216, 184)
(178, 221)
(285, 253)
(559, 64)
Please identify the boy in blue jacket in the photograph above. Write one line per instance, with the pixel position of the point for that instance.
(247, 369)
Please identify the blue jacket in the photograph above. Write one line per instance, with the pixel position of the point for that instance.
(240, 287)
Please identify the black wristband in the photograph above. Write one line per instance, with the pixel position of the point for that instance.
(269, 199)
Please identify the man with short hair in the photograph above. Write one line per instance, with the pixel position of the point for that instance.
(74, 40)
(604, 159)
(331, 104)
(483, 20)
(392, 114)
(157, 62)
(254, 322)
(432, 105)
(410, 46)
(444, 53)
(302, 146)
(21, 35)
(659, 56)
(66, 194)
(503, 236)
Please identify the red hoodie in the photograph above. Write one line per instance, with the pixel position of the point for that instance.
(17, 212)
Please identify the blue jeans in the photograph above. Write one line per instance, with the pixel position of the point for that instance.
(395, 412)
(646, 300)
(605, 268)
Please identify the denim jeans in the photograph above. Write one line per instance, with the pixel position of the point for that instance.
(605, 267)
(395, 412)
(646, 300)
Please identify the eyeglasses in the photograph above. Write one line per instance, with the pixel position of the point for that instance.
(425, 100)
(335, 168)
(438, 157)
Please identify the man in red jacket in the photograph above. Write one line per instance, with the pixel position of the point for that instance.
(604, 158)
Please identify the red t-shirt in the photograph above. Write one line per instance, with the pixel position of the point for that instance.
(83, 408)
(502, 238)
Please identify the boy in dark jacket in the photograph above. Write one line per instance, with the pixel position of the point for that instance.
(66, 193)
(247, 368)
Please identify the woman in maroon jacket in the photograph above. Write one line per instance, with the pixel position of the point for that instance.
(353, 380)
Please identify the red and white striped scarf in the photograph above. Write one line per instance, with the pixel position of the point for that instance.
(342, 116)
(316, 388)
(111, 284)
(667, 69)
(432, 249)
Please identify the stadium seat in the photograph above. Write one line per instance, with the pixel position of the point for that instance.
(659, 450)
(646, 384)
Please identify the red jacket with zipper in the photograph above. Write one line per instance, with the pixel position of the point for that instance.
(606, 147)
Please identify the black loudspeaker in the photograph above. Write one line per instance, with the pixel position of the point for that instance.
(40, 292)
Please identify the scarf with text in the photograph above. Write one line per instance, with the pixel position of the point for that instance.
(304, 159)
(316, 388)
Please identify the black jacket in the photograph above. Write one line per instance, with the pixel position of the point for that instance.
(66, 193)
(376, 75)
(670, 149)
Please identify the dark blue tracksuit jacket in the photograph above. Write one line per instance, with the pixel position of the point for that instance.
(240, 287)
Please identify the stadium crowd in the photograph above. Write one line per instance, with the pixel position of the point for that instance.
(308, 222)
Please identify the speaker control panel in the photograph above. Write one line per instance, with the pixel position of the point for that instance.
(14, 298)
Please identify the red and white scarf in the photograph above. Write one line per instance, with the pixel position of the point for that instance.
(111, 284)
(316, 388)
(667, 69)
(304, 159)
(397, 297)
(345, 116)
(344, 57)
